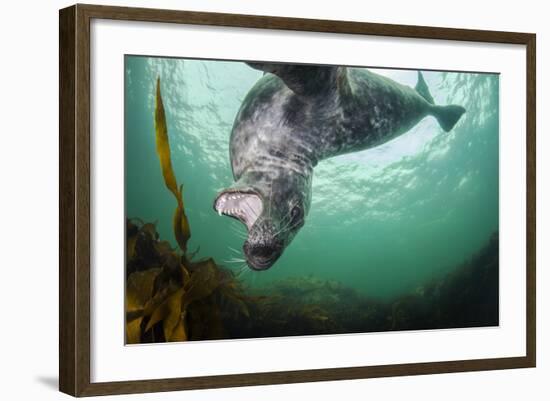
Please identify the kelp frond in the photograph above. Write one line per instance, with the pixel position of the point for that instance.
(171, 298)
(180, 224)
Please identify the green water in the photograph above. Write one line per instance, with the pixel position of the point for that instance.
(383, 221)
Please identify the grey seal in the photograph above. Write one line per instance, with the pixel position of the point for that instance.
(293, 117)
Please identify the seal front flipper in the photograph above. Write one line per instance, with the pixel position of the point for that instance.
(447, 116)
(302, 79)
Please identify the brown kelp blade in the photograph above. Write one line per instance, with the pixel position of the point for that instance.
(180, 223)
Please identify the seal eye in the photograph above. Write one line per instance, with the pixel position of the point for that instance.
(296, 214)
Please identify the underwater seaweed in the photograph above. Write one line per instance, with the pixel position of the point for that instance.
(176, 299)
(170, 297)
(466, 296)
(182, 231)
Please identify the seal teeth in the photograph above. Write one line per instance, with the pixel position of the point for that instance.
(232, 204)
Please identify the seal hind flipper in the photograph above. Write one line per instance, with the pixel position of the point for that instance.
(422, 89)
(447, 116)
(302, 79)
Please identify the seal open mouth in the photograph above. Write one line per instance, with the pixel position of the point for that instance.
(261, 249)
(245, 206)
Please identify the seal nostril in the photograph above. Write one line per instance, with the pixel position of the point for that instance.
(261, 256)
(263, 252)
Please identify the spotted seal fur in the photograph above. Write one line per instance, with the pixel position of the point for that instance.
(295, 116)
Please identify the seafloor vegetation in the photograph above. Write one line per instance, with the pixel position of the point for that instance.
(170, 297)
(173, 296)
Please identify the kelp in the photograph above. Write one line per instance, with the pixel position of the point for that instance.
(169, 296)
(180, 224)
(178, 299)
(466, 296)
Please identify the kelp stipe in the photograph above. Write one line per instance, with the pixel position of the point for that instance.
(182, 232)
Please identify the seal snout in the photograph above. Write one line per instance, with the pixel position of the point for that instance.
(262, 256)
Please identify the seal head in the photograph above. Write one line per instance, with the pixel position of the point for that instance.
(272, 205)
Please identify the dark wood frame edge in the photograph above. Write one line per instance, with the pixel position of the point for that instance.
(74, 199)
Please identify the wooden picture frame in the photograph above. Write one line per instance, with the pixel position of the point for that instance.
(74, 203)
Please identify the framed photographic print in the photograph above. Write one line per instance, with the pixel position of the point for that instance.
(346, 200)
